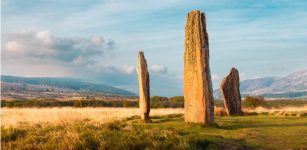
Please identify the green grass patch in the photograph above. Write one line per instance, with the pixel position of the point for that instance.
(164, 132)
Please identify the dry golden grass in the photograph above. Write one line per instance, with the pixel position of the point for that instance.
(15, 116)
(219, 111)
(286, 109)
(283, 111)
(66, 115)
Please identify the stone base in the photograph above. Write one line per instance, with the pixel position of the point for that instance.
(145, 117)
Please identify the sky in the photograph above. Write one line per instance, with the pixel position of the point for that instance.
(98, 40)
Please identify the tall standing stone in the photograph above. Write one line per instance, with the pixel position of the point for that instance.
(144, 89)
(230, 89)
(199, 104)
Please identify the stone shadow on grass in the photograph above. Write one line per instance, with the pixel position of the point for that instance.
(219, 142)
(167, 118)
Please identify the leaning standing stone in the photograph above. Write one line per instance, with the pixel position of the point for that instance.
(143, 77)
(199, 104)
(230, 89)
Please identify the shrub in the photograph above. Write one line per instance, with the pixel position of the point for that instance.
(125, 103)
(159, 102)
(177, 102)
(10, 104)
(164, 102)
(77, 104)
(254, 101)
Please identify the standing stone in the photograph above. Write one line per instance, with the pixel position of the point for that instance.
(143, 77)
(230, 89)
(199, 104)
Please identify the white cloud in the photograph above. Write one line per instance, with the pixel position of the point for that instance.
(128, 69)
(215, 77)
(159, 69)
(97, 40)
(14, 46)
(45, 37)
(43, 45)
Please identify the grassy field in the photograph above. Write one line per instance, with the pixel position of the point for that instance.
(106, 128)
(67, 115)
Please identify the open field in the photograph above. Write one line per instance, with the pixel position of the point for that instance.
(119, 128)
(66, 115)
(165, 132)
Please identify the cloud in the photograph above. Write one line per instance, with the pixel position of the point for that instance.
(128, 69)
(14, 46)
(45, 46)
(44, 54)
(158, 69)
(97, 40)
(239, 35)
(215, 77)
(165, 85)
(45, 37)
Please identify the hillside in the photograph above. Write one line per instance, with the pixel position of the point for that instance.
(293, 85)
(48, 84)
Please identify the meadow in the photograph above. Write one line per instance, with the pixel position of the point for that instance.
(121, 128)
(67, 115)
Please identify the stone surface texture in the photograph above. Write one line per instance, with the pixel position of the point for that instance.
(144, 89)
(230, 89)
(199, 102)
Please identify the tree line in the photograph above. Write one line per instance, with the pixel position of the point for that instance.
(155, 102)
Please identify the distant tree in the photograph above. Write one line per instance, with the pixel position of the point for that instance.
(126, 103)
(10, 104)
(177, 102)
(159, 102)
(254, 101)
(78, 103)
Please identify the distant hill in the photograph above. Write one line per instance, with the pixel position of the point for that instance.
(76, 85)
(291, 86)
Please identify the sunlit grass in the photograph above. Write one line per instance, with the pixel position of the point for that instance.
(283, 111)
(165, 132)
(66, 115)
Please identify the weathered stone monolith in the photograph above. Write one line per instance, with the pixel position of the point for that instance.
(199, 104)
(230, 89)
(144, 89)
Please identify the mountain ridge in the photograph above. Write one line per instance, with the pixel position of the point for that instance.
(67, 83)
(293, 85)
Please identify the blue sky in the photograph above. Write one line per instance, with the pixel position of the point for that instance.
(98, 40)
